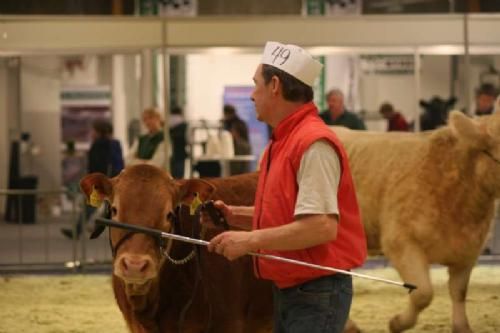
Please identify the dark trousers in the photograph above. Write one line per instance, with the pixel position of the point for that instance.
(84, 217)
(177, 168)
(317, 306)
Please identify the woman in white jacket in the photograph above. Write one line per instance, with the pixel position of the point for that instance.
(149, 148)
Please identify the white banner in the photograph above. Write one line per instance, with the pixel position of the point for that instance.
(178, 7)
(343, 7)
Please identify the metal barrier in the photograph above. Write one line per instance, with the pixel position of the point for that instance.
(20, 249)
(28, 245)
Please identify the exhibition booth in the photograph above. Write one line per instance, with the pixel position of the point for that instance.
(54, 70)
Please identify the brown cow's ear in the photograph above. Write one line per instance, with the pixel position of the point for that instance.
(188, 188)
(96, 184)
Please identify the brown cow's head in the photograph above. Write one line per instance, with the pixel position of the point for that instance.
(143, 195)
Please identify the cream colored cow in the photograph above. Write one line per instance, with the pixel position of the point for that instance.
(428, 198)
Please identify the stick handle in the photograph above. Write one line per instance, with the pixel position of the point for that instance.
(409, 286)
(149, 231)
(162, 234)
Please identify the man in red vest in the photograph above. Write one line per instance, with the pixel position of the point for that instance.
(305, 206)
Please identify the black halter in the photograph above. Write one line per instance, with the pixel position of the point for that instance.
(106, 212)
(175, 218)
(161, 243)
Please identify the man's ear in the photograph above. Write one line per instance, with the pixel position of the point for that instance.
(96, 187)
(275, 85)
(187, 189)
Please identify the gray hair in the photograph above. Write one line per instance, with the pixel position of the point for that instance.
(335, 92)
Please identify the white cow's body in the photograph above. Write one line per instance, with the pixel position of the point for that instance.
(428, 198)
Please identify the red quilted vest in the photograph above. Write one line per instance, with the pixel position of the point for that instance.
(277, 194)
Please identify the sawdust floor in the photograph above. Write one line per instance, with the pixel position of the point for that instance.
(77, 304)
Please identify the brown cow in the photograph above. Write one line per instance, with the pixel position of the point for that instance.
(428, 199)
(206, 294)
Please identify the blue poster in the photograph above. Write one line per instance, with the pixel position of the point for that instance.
(239, 97)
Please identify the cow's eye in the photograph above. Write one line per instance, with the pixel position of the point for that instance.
(114, 211)
(170, 216)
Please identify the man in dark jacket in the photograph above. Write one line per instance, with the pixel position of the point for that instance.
(105, 156)
(178, 129)
(241, 141)
(485, 99)
(337, 115)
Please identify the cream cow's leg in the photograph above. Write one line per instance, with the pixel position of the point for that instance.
(413, 268)
(457, 284)
(351, 327)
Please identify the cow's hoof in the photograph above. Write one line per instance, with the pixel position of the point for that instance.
(395, 325)
(351, 327)
(462, 329)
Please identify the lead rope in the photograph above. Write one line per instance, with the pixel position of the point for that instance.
(198, 278)
(182, 315)
(177, 262)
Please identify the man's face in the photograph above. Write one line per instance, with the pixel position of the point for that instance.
(260, 96)
(335, 104)
(93, 134)
(485, 102)
(152, 123)
(386, 114)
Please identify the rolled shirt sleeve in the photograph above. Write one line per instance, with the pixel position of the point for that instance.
(318, 180)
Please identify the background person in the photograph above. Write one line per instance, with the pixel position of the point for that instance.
(149, 148)
(241, 147)
(230, 118)
(337, 115)
(241, 140)
(105, 156)
(395, 120)
(485, 99)
(178, 129)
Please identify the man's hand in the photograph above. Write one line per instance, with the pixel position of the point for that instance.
(232, 244)
(224, 209)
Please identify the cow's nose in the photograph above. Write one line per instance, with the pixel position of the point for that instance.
(137, 268)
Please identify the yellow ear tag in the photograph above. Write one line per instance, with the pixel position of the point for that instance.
(95, 199)
(194, 204)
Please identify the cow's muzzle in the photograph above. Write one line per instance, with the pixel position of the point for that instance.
(135, 269)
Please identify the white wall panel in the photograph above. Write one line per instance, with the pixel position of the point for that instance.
(372, 31)
(63, 34)
(206, 77)
(41, 116)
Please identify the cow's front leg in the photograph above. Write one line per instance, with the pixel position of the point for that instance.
(457, 285)
(228, 326)
(413, 268)
(145, 328)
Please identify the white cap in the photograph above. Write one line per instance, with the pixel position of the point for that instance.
(293, 60)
